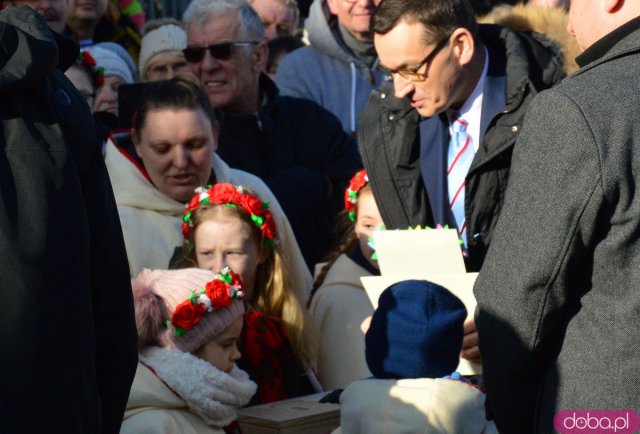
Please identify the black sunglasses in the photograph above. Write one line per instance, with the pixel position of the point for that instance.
(223, 51)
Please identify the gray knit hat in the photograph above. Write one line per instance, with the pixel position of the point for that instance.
(114, 59)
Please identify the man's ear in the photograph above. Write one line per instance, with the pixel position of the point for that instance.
(463, 45)
(259, 57)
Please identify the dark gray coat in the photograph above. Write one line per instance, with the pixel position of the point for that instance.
(67, 328)
(559, 293)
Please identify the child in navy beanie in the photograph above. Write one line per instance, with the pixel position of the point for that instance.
(416, 332)
(412, 348)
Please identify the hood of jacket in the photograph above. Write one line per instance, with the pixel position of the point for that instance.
(550, 22)
(345, 272)
(322, 27)
(438, 406)
(133, 189)
(30, 50)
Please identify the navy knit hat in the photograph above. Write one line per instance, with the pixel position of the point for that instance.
(416, 332)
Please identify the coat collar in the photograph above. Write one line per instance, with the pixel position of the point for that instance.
(606, 44)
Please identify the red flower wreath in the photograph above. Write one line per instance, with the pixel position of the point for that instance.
(97, 72)
(217, 294)
(357, 183)
(227, 194)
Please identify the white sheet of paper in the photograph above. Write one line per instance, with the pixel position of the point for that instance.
(419, 251)
(460, 284)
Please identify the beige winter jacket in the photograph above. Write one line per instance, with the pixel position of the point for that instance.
(338, 309)
(413, 406)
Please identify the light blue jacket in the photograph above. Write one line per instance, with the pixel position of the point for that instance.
(326, 72)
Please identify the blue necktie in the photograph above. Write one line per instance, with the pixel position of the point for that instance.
(460, 156)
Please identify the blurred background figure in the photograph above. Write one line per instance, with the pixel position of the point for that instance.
(89, 22)
(338, 69)
(279, 17)
(53, 11)
(85, 75)
(118, 69)
(278, 48)
(161, 56)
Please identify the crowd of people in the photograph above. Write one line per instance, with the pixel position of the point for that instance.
(187, 206)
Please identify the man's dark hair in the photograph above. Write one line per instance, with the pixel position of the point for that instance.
(175, 94)
(439, 17)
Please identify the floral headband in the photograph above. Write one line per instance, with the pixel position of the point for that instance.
(97, 72)
(217, 294)
(357, 183)
(230, 195)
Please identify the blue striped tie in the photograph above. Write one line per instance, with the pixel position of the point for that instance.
(460, 156)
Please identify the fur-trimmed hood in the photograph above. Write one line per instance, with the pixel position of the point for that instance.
(551, 22)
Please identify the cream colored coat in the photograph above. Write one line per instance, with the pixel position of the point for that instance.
(154, 409)
(338, 309)
(183, 395)
(413, 406)
(151, 221)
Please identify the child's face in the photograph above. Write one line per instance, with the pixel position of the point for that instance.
(368, 221)
(228, 241)
(222, 352)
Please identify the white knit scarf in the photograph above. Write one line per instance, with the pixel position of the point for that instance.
(213, 395)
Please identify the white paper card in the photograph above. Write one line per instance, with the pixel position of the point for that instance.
(419, 251)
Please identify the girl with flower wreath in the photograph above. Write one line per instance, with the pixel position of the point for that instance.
(86, 76)
(187, 382)
(338, 304)
(171, 152)
(227, 225)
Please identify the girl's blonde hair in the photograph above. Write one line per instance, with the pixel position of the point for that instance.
(272, 295)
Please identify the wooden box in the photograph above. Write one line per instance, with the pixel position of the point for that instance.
(303, 415)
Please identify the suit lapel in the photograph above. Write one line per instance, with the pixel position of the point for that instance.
(434, 139)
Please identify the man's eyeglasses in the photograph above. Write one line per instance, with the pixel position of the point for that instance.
(412, 74)
(223, 51)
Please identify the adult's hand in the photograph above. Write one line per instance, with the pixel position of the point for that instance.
(470, 349)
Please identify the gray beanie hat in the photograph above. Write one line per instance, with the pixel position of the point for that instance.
(114, 59)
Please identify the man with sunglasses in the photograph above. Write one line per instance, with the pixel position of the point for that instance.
(338, 69)
(437, 139)
(294, 145)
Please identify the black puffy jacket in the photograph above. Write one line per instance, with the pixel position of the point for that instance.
(390, 143)
(66, 312)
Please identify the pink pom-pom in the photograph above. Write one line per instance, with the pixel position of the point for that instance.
(150, 310)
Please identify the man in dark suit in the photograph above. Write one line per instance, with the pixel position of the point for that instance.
(559, 307)
(437, 139)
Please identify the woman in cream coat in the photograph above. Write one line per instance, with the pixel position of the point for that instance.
(174, 135)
